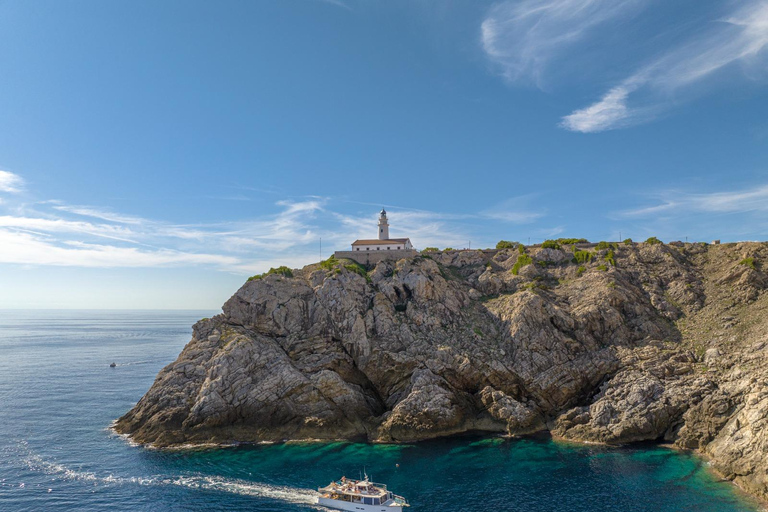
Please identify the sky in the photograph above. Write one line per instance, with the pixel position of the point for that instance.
(153, 155)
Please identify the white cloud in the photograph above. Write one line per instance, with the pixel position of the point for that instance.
(609, 111)
(29, 249)
(10, 182)
(741, 37)
(525, 37)
(96, 213)
(57, 234)
(516, 210)
(754, 199)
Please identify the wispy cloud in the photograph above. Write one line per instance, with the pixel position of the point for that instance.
(87, 211)
(524, 38)
(52, 232)
(10, 182)
(754, 199)
(740, 37)
(516, 210)
(30, 249)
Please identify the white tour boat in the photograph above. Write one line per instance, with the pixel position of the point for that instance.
(360, 495)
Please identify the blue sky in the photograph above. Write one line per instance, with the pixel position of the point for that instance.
(154, 154)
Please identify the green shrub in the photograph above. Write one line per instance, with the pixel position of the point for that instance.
(610, 257)
(478, 331)
(571, 241)
(581, 270)
(505, 244)
(607, 245)
(358, 269)
(550, 244)
(602, 267)
(628, 241)
(582, 256)
(748, 262)
(430, 249)
(522, 261)
(329, 263)
(449, 249)
(653, 241)
(281, 270)
(521, 249)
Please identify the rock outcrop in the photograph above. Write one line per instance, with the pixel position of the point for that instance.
(636, 342)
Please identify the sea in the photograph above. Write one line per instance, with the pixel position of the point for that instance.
(58, 397)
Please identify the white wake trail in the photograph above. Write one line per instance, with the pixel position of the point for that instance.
(286, 494)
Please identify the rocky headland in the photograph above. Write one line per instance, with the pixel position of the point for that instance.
(613, 343)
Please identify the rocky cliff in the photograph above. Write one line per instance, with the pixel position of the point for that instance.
(610, 344)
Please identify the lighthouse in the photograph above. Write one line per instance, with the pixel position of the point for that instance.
(373, 250)
(383, 225)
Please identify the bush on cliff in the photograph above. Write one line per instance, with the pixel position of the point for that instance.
(505, 244)
(550, 244)
(748, 262)
(281, 270)
(522, 261)
(571, 241)
(329, 263)
(606, 245)
(582, 256)
(653, 241)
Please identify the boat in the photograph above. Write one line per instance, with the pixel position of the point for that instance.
(360, 495)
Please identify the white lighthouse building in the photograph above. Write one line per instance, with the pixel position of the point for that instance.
(376, 249)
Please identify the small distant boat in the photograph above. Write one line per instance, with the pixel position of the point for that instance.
(112, 365)
(360, 495)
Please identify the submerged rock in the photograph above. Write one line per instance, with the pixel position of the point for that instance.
(669, 344)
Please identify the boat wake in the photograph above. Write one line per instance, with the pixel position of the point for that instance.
(285, 494)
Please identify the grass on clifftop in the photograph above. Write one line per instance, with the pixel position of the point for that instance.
(281, 270)
(550, 244)
(571, 241)
(351, 265)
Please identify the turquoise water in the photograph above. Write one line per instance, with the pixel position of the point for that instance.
(58, 397)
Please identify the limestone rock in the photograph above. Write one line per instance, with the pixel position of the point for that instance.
(669, 344)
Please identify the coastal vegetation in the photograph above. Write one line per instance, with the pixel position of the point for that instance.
(571, 241)
(281, 271)
(522, 260)
(748, 262)
(582, 256)
(550, 244)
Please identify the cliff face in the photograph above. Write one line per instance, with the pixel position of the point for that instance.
(669, 344)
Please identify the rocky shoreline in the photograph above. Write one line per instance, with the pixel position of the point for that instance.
(610, 344)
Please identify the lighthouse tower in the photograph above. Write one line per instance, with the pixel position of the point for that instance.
(383, 225)
(371, 251)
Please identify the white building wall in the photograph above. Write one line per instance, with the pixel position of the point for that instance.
(387, 247)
